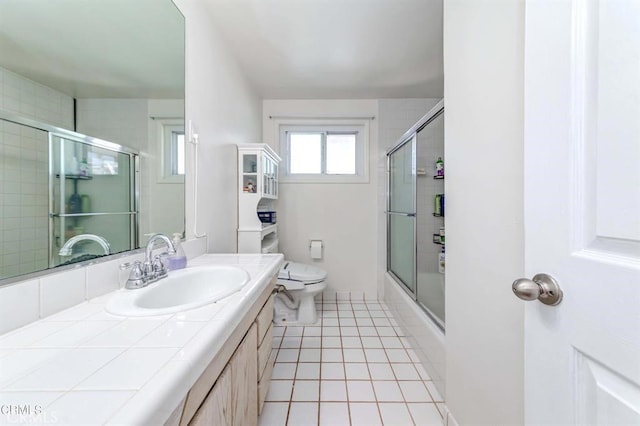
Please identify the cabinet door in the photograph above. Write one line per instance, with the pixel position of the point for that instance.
(244, 389)
(216, 409)
(233, 400)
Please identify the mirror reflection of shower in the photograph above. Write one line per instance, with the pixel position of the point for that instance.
(416, 232)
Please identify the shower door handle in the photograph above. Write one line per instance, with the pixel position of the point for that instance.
(542, 287)
(401, 214)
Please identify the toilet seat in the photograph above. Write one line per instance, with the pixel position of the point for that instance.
(295, 276)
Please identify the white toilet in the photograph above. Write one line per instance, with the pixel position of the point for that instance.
(295, 304)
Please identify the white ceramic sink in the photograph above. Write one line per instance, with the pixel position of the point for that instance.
(182, 290)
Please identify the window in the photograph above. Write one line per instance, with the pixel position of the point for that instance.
(173, 153)
(324, 153)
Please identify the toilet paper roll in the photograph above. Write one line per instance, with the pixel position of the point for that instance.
(316, 249)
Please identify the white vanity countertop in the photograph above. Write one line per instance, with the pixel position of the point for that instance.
(85, 366)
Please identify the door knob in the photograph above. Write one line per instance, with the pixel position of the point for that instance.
(542, 287)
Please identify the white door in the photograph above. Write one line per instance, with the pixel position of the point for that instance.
(582, 210)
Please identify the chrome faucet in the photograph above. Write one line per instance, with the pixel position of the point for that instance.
(66, 249)
(152, 269)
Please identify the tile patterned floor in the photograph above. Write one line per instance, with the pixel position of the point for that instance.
(353, 367)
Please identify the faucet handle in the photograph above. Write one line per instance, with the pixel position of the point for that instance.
(159, 269)
(136, 277)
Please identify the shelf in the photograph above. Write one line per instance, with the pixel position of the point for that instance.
(76, 177)
(438, 177)
(250, 174)
(438, 215)
(268, 228)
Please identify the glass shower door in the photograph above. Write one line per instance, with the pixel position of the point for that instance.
(401, 212)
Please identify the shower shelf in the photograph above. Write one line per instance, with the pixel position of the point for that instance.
(438, 215)
(438, 177)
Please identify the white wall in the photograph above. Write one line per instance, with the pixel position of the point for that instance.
(483, 65)
(343, 216)
(225, 110)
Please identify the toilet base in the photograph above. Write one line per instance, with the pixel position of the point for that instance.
(305, 314)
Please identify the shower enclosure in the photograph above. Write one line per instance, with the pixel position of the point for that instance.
(415, 214)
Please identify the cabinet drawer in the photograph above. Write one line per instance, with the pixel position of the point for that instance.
(265, 319)
(264, 351)
(263, 384)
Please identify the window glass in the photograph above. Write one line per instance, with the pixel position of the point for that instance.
(177, 157)
(305, 153)
(341, 154)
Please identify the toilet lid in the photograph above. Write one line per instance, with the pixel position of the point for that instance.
(301, 272)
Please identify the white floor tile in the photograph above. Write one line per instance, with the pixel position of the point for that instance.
(421, 371)
(376, 355)
(367, 331)
(334, 414)
(390, 342)
(360, 391)
(330, 322)
(276, 342)
(291, 342)
(303, 414)
(306, 390)
(330, 331)
(364, 322)
(345, 314)
(308, 371)
(361, 314)
(386, 332)
(332, 355)
(414, 391)
(284, 371)
(278, 330)
(381, 371)
(395, 414)
(425, 414)
(397, 355)
(309, 355)
(387, 391)
(288, 355)
(359, 306)
(377, 314)
(280, 390)
(405, 372)
(326, 313)
(331, 342)
(347, 322)
(364, 414)
(332, 371)
(274, 414)
(351, 342)
(293, 331)
(333, 390)
(349, 331)
(371, 342)
(312, 331)
(353, 355)
(381, 322)
(356, 371)
(311, 341)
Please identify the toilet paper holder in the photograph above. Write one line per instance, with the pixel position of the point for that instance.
(315, 249)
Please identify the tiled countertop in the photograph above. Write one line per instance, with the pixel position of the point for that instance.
(85, 366)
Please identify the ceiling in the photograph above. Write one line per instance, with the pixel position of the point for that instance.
(91, 49)
(329, 49)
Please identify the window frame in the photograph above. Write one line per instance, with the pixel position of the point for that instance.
(360, 128)
(169, 129)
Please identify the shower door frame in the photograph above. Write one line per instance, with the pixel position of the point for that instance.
(410, 136)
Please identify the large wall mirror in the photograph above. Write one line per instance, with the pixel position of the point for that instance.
(92, 139)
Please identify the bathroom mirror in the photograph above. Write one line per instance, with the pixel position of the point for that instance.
(109, 69)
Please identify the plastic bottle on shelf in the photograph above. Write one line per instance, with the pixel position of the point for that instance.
(440, 167)
(179, 259)
(441, 263)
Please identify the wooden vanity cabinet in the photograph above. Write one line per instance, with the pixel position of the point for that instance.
(232, 388)
(233, 399)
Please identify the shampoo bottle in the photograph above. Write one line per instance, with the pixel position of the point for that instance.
(179, 259)
(440, 167)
